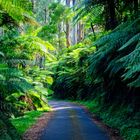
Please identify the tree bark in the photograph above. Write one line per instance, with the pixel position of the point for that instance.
(68, 42)
(74, 34)
(111, 21)
(93, 30)
(59, 35)
(33, 5)
(80, 31)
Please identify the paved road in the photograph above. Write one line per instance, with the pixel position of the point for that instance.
(71, 122)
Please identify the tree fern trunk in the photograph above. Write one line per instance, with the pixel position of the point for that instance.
(136, 7)
(111, 21)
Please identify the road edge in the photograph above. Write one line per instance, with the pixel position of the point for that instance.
(113, 133)
(36, 130)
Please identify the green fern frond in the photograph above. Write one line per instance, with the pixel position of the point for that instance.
(18, 10)
(135, 83)
(107, 47)
(132, 41)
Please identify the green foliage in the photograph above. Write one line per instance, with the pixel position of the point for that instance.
(24, 122)
(114, 41)
(53, 31)
(103, 66)
(7, 131)
(107, 73)
(17, 73)
(119, 117)
(71, 72)
(21, 86)
(24, 80)
(107, 13)
(15, 11)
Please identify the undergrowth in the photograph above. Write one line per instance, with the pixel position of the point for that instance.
(24, 122)
(118, 117)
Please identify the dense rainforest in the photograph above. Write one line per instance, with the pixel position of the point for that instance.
(80, 50)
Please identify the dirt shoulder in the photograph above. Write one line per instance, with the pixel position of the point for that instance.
(35, 131)
(114, 134)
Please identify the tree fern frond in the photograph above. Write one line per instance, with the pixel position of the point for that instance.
(135, 83)
(131, 73)
(133, 40)
(107, 47)
(17, 10)
(133, 57)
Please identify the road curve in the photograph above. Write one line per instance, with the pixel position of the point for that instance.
(71, 122)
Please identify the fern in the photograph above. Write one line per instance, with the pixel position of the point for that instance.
(108, 47)
(17, 10)
(132, 66)
(132, 41)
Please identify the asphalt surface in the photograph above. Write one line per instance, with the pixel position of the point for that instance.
(71, 122)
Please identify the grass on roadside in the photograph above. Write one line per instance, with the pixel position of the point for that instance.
(120, 117)
(24, 122)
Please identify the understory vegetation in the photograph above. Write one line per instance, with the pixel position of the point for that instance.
(22, 123)
(24, 80)
(87, 51)
(104, 75)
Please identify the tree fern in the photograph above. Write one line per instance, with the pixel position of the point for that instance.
(17, 10)
(131, 64)
(132, 41)
(108, 46)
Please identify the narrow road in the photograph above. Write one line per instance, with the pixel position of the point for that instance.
(71, 122)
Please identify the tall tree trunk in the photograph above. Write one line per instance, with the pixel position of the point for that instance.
(59, 35)
(33, 5)
(67, 34)
(68, 41)
(80, 31)
(74, 34)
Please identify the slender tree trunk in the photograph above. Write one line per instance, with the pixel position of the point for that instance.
(33, 5)
(45, 15)
(68, 41)
(92, 27)
(74, 34)
(80, 31)
(75, 27)
(59, 35)
(67, 34)
(78, 39)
